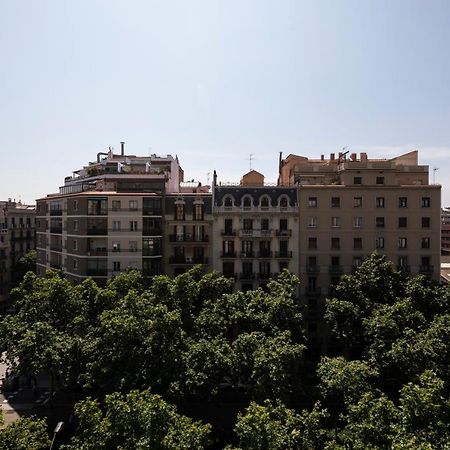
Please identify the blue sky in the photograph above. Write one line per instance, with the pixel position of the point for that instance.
(213, 81)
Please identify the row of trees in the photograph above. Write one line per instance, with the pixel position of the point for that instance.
(139, 355)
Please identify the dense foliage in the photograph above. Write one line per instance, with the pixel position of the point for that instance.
(140, 354)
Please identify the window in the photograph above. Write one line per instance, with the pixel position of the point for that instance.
(335, 222)
(357, 202)
(116, 225)
(247, 268)
(357, 180)
(247, 248)
(264, 203)
(357, 261)
(247, 203)
(426, 222)
(312, 283)
(379, 242)
(116, 205)
(248, 224)
(198, 211)
(133, 225)
(403, 202)
(265, 224)
(312, 243)
(75, 264)
(228, 248)
(75, 245)
(116, 266)
(133, 246)
(312, 202)
(357, 222)
(402, 222)
(379, 202)
(357, 243)
(283, 224)
(380, 180)
(75, 205)
(379, 222)
(228, 226)
(426, 202)
(402, 242)
(425, 242)
(179, 211)
(264, 268)
(335, 261)
(402, 262)
(75, 225)
(283, 202)
(228, 269)
(312, 222)
(97, 206)
(335, 243)
(116, 246)
(228, 202)
(133, 205)
(335, 202)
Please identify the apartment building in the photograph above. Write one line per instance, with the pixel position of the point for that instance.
(108, 216)
(256, 232)
(445, 231)
(17, 237)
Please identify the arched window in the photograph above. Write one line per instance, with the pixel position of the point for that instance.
(264, 202)
(247, 202)
(283, 202)
(228, 201)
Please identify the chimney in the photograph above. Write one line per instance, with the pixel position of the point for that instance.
(322, 157)
(332, 156)
(363, 157)
(353, 156)
(122, 148)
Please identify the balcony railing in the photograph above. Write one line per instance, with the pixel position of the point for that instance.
(286, 254)
(247, 276)
(265, 254)
(228, 232)
(247, 254)
(313, 269)
(151, 231)
(152, 211)
(149, 252)
(97, 252)
(97, 231)
(56, 266)
(255, 233)
(426, 269)
(228, 254)
(264, 276)
(56, 230)
(335, 269)
(284, 233)
(56, 212)
(175, 259)
(188, 238)
(97, 272)
(313, 291)
(404, 268)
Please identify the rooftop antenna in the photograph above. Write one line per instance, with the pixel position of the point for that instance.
(149, 151)
(250, 159)
(435, 169)
(207, 178)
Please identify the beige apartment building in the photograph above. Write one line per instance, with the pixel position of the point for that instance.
(17, 237)
(256, 230)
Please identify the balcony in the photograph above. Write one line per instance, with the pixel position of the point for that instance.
(97, 272)
(56, 265)
(247, 254)
(151, 252)
(178, 259)
(426, 269)
(312, 269)
(98, 231)
(151, 231)
(255, 233)
(56, 212)
(313, 291)
(264, 276)
(56, 248)
(188, 238)
(335, 269)
(265, 254)
(228, 254)
(97, 252)
(56, 230)
(247, 276)
(286, 233)
(404, 268)
(286, 254)
(152, 211)
(228, 232)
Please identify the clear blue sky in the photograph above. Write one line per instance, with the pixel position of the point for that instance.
(214, 81)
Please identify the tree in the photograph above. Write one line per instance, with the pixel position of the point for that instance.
(275, 427)
(26, 263)
(26, 433)
(136, 421)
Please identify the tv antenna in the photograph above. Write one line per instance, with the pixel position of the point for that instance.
(250, 159)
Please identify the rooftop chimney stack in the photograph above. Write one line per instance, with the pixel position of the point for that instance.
(122, 148)
(332, 156)
(322, 157)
